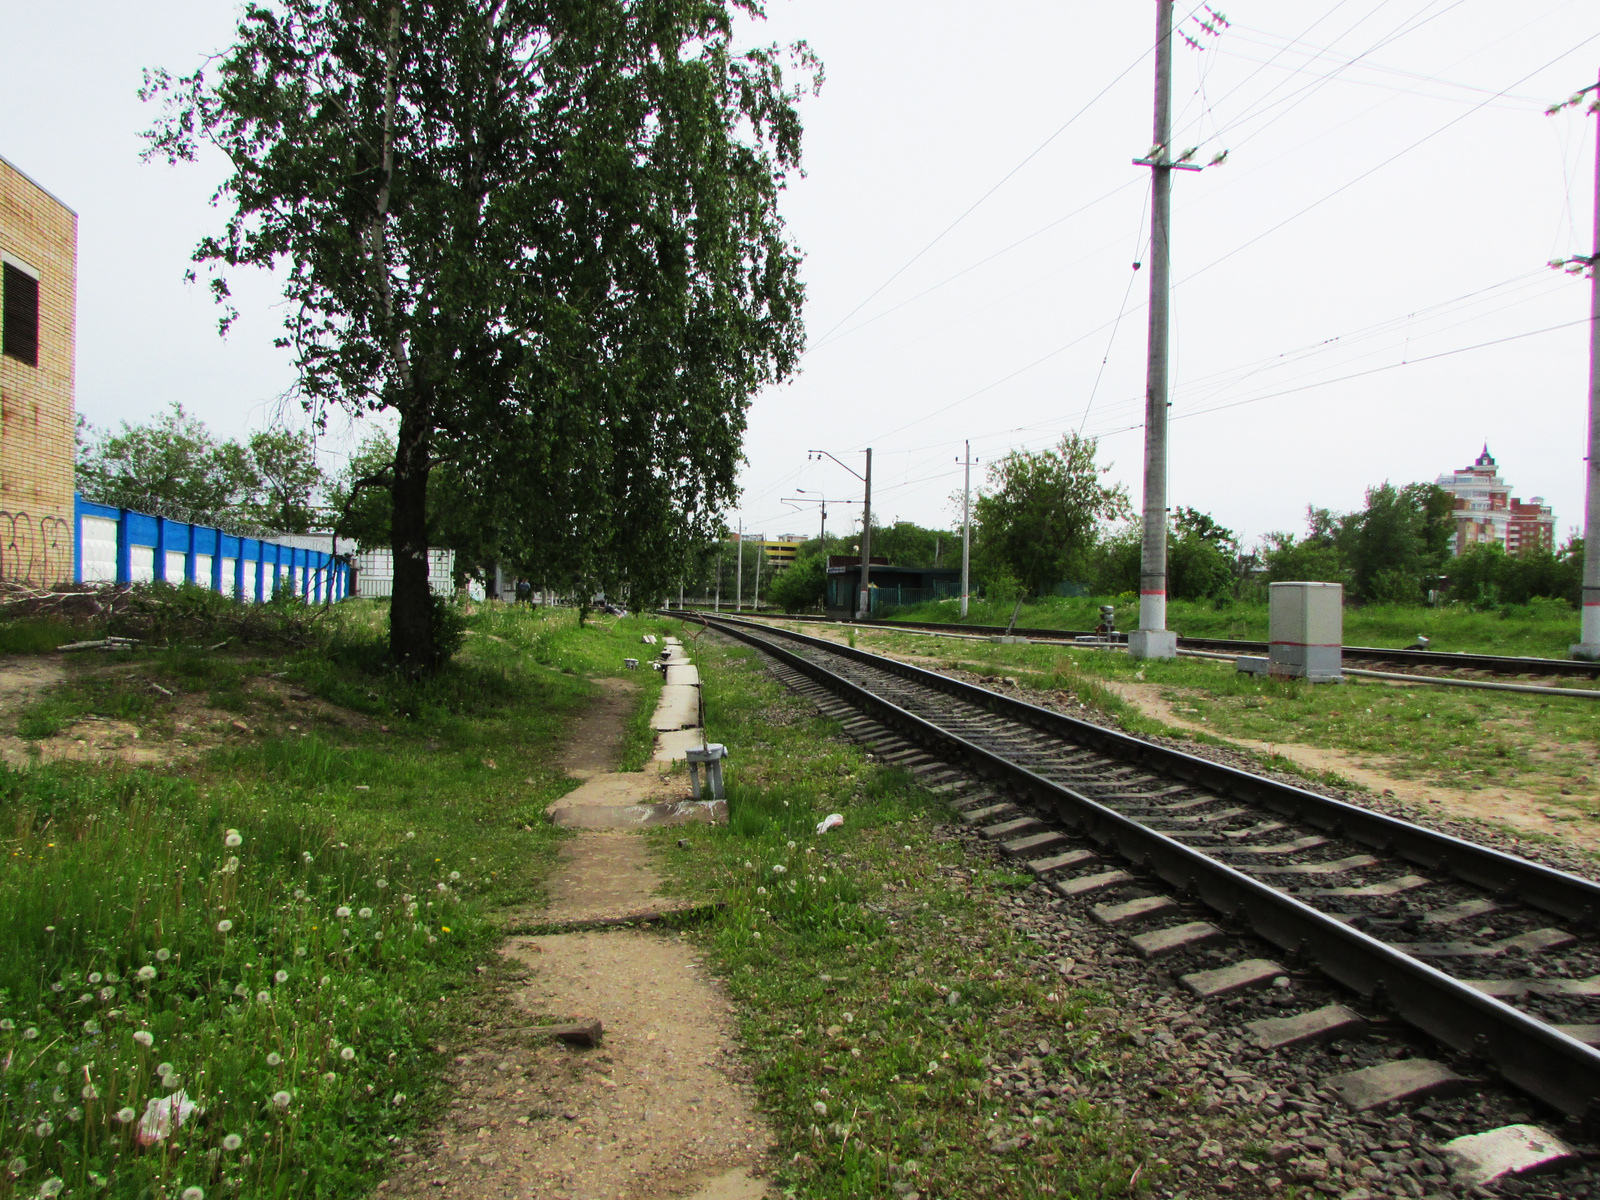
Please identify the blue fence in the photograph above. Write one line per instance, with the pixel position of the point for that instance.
(118, 545)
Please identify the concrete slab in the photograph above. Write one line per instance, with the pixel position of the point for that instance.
(1480, 1158)
(1059, 862)
(631, 800)
(641, 816)
(1078, 885)
(1161, 942)
(1318, 1025)
(1402, 1079)
(1142, 909)
(1338, 866)
(672, 744)
(1007, 830)
(1389, 887)
(1224, 981)
(1464, 911)
(686, 675)
(977, 816)
(1310, 842)
(1034, 843)
(678, 708)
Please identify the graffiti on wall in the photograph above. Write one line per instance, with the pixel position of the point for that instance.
(35, 550)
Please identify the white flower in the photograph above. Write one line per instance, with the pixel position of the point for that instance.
(171, 1079)
(193, 1193)
(329, 1077)
(17, 1165)
(299, 951)
(756, 935)
(90, 1092)
(91, 1026)
(442, 887)
(454, 875)
(8, 1024)
(326, 980)
(241, 990)
(52, 1186)
(274, 1059)
(74, 1113)
(779, 869)
(147, 973)
(410, 835)
(819, 1108)
(761, 891)
(233, 839)
(224, 925)
(282, 977)
(124, 1115)
(45, 1129)
(232, 1142)
(164, 1069)
(792, 845)
(263, 997)
(382, 883)
(748, 865)
(107, 993)
(163, 954)
(399, 1099)
(95, 977)
(347, 1053)
(342, 911)
(305, 856)
(299, 893)
(281, 1099)
(365, 913)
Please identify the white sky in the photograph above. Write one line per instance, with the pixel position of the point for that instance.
(1370, 215)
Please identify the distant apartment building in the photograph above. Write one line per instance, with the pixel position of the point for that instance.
(1488, 514)
(38, 289)
(781, 551)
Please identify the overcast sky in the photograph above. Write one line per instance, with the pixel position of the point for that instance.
(970, 217)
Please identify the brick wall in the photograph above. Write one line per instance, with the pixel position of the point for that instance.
(37, 421)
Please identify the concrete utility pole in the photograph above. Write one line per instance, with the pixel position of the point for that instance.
(738, 578)
(1589, 646)
(717, 604)
(966, 528)
(1153, 639)
(866, 545)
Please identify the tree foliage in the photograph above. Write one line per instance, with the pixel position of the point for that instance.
(1039, 514)
(544, 234)
(174, 466)
(802, 586)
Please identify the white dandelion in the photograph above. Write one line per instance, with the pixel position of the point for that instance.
(365, 913)
(455, 875)
(45, 1129)
(124, 1115)
(281, 1099)
(163, 954)
(342, 911)
(95, 977)
(382, 883)
(263, 997)
(8, 1024)
(282, 977)
(52, 1186)
(232, 1142)
(233, 839)
(147, 973)
(274, 1059)
(90, 1092)
(193, 1193)
(348, 1053)
(224, 925)
(145, 1038)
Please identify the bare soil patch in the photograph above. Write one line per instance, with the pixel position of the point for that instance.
(1509, 807)
(596, 741)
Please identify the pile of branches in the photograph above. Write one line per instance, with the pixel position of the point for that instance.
(157, 612)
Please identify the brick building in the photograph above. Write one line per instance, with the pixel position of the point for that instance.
(39, 265)
(1488, 514)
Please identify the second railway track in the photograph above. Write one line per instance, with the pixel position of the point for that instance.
(1491, 955)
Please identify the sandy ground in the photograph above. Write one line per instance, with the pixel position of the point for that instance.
(1509, 807)
(661, 1107)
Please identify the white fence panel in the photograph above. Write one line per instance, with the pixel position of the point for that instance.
(99, 550)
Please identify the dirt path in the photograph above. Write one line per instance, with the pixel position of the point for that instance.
(1507, 807)
(661, 1107)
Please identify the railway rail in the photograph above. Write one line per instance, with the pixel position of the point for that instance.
(1495, 664)
(1488, 954)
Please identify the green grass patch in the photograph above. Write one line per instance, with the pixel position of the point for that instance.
(281, 932)
(1543, 629)
(879, 979)
(36, 635)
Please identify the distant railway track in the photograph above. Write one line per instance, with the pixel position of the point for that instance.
(1496, 664)
(1490, 955)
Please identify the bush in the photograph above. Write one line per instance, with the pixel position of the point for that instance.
(803, 586)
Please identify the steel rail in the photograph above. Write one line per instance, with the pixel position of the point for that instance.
(1525, 1051)
(1499, 664)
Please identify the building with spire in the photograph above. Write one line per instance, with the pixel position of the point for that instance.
(1488, 514)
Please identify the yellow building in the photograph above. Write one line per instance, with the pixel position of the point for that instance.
(781, 552)
(38, 294)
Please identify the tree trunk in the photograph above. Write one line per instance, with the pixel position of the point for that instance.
(411, 642)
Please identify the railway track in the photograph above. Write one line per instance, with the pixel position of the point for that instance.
(1491, 956)
(1375, 656)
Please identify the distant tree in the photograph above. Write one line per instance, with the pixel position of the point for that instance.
(1040, 514)
(1202, 557)
(907, 544)
(801, 587)
(285, 478)
(1400, 539)
(1485, 576)
(545, 236)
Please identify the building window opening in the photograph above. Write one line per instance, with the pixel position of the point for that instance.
(20, 336)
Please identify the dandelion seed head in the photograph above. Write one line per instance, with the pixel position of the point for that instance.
(171, 1080)
(342, 911)
(281, 1099)
(44, 1129)
(62, 1068)
(761, 891)
(147, 973)
(326, 980)
(299, 951)
(232, 1142)
(233, 839)
(819, 1108)
(90, 1092)
(74, 1113)
(282, 977)
(410, 834)
(241, 990)
(779, 869)
(329, 1077)
(124, 1115)
(56, 987)
(164, 1069)
(224, 925)
(305, 856)
(441, 887)
(792, 845)
(17, 1165)
(8, 1024)
(347, 1053)
(52, 1186)
(455, 875)
(274, 1059)
(106, 993)
(299, 893)
(365, 913)
(382, 884)
(91, 1026)
(263, 997)
(193, 1193)
(95, 977)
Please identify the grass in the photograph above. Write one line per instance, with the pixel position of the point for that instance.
(881, 983)
(1544, 629)
(1453, 737)
(279, 931)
